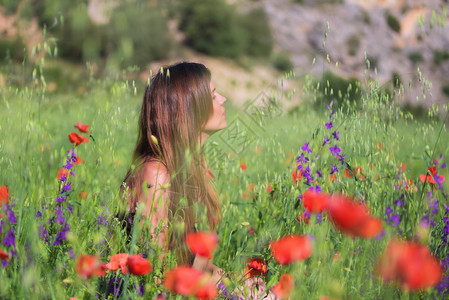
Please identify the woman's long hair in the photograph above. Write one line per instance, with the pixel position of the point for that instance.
(176, 105)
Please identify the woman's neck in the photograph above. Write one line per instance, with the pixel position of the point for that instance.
(203, 137)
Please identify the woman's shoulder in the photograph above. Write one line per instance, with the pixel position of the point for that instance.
(154, 173)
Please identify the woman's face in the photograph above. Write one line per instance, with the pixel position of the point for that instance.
(217, 121)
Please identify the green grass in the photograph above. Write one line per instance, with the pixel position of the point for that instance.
(374, 134)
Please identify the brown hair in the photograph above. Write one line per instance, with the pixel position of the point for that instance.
(176, 105)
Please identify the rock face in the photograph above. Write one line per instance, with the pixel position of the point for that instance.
(350, 30)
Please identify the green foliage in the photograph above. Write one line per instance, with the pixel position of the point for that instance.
(393, 22)
(282, 62)
(396, 79)
(136, 33)
(332, 87)
(259, 40)
(10, 6)
(353, 43)
(415, 57)
(419, 112)
(212, 27)
(12, 49)
(216, 28)
(79, 39)
(440, 56)
(445, 89)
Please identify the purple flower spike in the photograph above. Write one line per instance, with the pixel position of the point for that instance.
(329, 125)
(326, 141)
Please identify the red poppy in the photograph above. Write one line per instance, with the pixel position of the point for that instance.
(4, 194)
(291, 248)
(251, 230)
(243, 166)
(79, 161)
(256, 267)
(77, 139)
(402, 167)
(351, 173)
(119, 260)
(62, 172)
(81, 127)
(88, 266)
(284, 287)
(269, 189)
(202, 243)
(138, 265)
(336, 257)
(251, 186)
(4, 255)
(410, 264)
(408, 185)
(297, 175)
(431, 178)
(303, 218)
(183, 280)
(315, 202)
(332, 178)
(207, 291)
(83, 195)
(352, 217)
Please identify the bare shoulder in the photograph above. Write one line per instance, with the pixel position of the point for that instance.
(155, 173)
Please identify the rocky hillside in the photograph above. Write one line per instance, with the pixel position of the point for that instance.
(386, 30)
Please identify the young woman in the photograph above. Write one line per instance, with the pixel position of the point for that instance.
(180, 110)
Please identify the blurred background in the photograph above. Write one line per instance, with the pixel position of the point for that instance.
(248, 44)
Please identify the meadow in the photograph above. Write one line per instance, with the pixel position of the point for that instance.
(368, 149)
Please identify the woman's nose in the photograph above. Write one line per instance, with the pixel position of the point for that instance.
(223, 99)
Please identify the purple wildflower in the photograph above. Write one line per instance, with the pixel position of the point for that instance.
(302, 159)
(329, 125)
(333, 169)
(319, 218)
(334, 150)
(335, 135)
(326, 141)
(11, 215)
(10, 239)
(306, 148)
(380, 235)
(66, 187)
(399, 202)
